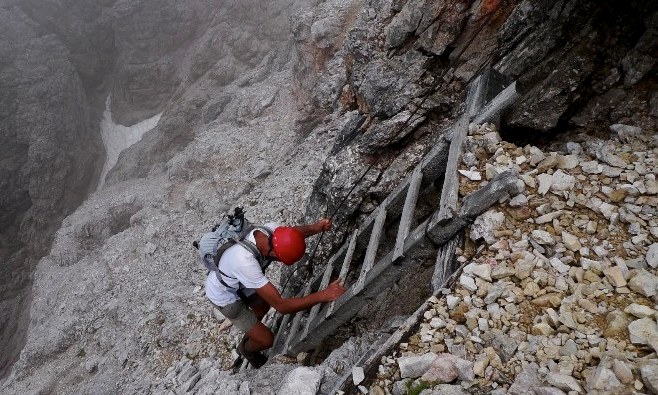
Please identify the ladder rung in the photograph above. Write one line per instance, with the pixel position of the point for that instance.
(316, 308)
(345, 268)
(295, 322)
(450, 189)
(499, 103)
(371, 251)
(407, 211)
(280, 331)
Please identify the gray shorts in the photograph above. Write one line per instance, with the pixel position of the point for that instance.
(240, 315)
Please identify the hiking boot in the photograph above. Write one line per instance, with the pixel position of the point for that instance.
(256, 359)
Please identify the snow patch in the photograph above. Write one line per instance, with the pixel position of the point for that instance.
(117, 138)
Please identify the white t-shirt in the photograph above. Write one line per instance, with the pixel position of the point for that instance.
(239, 263)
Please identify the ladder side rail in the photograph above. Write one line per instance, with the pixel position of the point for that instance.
(407, 212)
(371, 251)
(323, 285)
(345, 268)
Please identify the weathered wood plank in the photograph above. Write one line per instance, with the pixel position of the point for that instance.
(444, 262)
(408, 211)
(483, 89)
(450, 190)
(371, 252)
(500, 103)
(441, 231)
(345, 268)
(323, 285)
(294, 327)
(280, 331)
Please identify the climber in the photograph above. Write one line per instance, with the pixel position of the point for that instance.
(242, 292)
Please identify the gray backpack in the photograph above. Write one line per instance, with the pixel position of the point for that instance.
(227, 233)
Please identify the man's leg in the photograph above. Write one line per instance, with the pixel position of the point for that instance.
(259, 338)
(259, 306)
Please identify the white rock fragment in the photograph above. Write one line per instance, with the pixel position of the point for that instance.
(652, 255)
(608, 210)
(536, 155)
(644, 331)
(519, 200)
(644, 283)
(559, 266)
(615, 276)
(301, 380)
(604, 379)
(568, 162)
(564, 382)
(543, 237)
(574, 148)
(452, 301)
(471, 175)
(545, 182)
(548, 217)
(639, 310)
(468, 283)
(485, 225)
(571, 242)
(622, 371)
(529, 180)
(482, 271)
(612, 159)
(357, 375)
(437, 323)
(649, 374)
(415, 366)
(562, 181)
(592, 167)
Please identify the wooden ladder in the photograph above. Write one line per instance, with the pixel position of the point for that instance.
(383, 264)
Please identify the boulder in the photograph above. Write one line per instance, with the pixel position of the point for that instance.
(603, 379)
(652, 255)
(644, 283)
(564, 382)
(644, 331)
(357, 375)
(622, 371)
(526, 380)
(415, 366)
(485, 225)
(649, 373)
(301, 381)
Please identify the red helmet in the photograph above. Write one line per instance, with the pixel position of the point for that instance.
(288, 244)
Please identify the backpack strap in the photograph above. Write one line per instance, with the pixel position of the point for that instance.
(251, 247)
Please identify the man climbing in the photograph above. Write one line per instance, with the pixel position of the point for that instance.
(242, 292)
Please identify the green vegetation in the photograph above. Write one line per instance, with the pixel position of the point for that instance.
(416, 387)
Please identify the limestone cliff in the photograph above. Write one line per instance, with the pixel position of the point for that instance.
(278, 106)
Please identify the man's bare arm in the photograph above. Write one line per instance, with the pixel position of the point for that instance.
(271, 295)
(323, 224)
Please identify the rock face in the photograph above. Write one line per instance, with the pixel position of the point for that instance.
(418, 55)
(59, 60)
(49, 153)
(287, 126)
